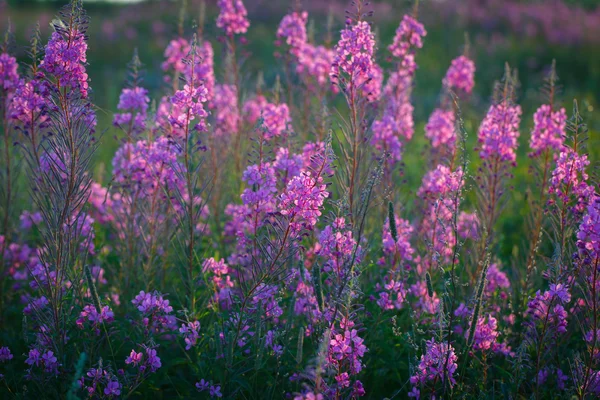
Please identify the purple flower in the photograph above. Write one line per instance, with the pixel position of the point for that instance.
(499, 132)
(440, 129)
(134, 103)
(292, 28)
(438, 362)
(134, 358)
(409, 34)
(233, 17)
(190, 333)
(9, 77)
(65, 59)
(224, 106)
(354, 55)
(460, 75)
(548, 130)
(215, 391)
(5, 354)
(113, 388)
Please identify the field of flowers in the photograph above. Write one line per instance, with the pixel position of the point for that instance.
(298, 200)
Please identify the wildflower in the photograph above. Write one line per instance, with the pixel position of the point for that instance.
(29, 219)
(65, 59)
(438, 362)
(190, 333)
(441, 183)
(337, 248)
(499, 132)
(486, 333)
(9, 76)
(186, 106)
(468, 226)
(5, 354)
(134, 103)
(233, 17)
(548, 129)
(495, 279)
(134, 358)
(225, 110)
(440, 129)
(569, 180)
(314, 64)
(276, 119)
(292, 28)
(96, 318)
(460, 75)
(402, 246)
(113, 388)
(354, 54)
(385, 138)
(29, 105)
(588, 236)
(303, 199)
(409, 34)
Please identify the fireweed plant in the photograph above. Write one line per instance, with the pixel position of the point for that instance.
(255, 242)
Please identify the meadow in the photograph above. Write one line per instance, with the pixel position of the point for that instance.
(300, 199)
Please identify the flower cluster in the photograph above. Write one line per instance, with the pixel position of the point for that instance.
(337, 247)
(548, 129)
(354, 55)
(437, 363)
(345, 353)
(569, 179)
(65, 59)
(441, 183)
(29, 105)
(146, 167)
(460, 75)
(9, 76)
(44, 359)
(588, 236)
(155, 310)
(146, 363)
(190, 333)
(314, 64)
(293, 29)
(221, 280)
(409, 34)
(186, 106)
(548, 309)
(134, 104)
(94, 317)
(226, 113)
(233, 17)
(302, 200)
(213, 390)
(499, 132)
(100, 381)
(440, 129)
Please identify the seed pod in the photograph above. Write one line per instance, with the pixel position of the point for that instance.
(429, 284)
(299, 345)
(392, 219)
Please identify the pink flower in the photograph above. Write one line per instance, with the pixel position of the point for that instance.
(9, 77)
(440, 129)
(499, 132)
(292, 28)
(233, 17)
(409, 34)
(548, 130)
(353, 55)
(460, 75)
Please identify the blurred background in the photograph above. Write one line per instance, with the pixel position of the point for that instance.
(526, 34)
